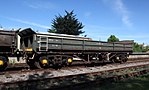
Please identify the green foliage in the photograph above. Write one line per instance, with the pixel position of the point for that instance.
(67, 24)
(146, 48)
(140, 47)
(52, 31)
(113, 38)
(137, 47)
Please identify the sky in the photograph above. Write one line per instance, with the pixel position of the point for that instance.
(126, 19)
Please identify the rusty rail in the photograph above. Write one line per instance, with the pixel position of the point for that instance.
(48, 78)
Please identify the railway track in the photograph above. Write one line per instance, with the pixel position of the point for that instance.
(14, 77)
(72, 70)
(24, 66)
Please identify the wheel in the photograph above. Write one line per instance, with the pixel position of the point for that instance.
(123, 58)
(69, 61)
(113, 60)
(33, 64)
(38, 65)
(43, 62)
(3, 63)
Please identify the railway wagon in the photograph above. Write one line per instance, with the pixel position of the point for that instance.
(8, 46)
(42, 50)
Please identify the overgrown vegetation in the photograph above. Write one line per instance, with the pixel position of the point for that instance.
(136, 83)
(140, 47)
(136, 46)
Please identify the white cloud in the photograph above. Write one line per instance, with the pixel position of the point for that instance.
(123, 11)
(98, 27)
(40, 5)
(33, 6)
(29, 23)
(87, 14)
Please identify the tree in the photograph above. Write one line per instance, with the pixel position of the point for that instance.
(137, 47)
(67, 24)
(112, 38)
(52, 31)
(146, 48)
(140, 47)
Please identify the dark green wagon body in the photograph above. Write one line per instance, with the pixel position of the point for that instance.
(60, 49)
(50, 42)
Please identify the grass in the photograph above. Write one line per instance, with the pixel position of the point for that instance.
(137, 83)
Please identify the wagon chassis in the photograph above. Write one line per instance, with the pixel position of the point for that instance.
(42, 50)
